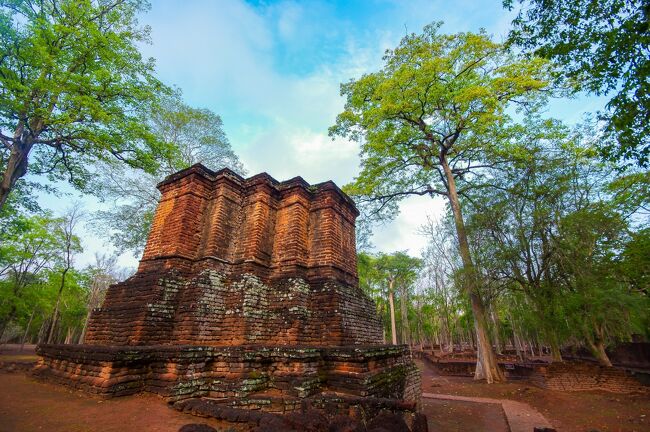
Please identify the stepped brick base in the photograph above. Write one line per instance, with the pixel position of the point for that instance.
(180, 372)
(247, 293)
(212, 307)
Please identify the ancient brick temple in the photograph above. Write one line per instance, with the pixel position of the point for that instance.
(247, 291)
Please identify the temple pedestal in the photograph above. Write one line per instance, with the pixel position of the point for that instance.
(247, 295)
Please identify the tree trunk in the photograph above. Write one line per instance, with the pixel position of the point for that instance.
(391, 302)
(68, 336)
(516, 347)
(521, 352)
(403, 303)
(495, 321)
(598, 350)
(555, 349)
(56, 306)
(29, 324)
(16, 166)
(42, 332)
(489, 370)
(597, 346)
(82, 336)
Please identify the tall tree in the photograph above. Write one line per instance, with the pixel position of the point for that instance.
(551, 233)
(70, 246)
(440, 264)
(29, 248)
(433, 116)
(398, 271)
(603, 48)
(102, 274)
(74, 89)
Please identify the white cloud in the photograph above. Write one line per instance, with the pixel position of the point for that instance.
(402, 233)
(290, 14)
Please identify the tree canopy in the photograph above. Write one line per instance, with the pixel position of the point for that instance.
(74, 89)
(603, 47)
(437, 96)
(194, 135)
(436, 115)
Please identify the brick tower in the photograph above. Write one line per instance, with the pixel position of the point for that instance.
(247, 287)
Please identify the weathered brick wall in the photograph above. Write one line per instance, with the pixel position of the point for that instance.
(246, 286)
(215, 308)
(180, 372)
(288, 227)
(233, 261)
(581, 376)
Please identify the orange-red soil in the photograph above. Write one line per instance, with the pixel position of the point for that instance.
(30, 405)
(27, 405)
(567, 411)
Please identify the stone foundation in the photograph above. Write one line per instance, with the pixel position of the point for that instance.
(212, 307)
(233, 373)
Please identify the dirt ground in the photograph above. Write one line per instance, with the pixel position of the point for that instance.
(456, 416)
(567, 411)
(29, 405)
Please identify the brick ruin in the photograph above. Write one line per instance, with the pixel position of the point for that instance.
(568, 375)
(247, 294)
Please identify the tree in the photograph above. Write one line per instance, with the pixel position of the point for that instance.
(518, 218)
(598, 305)
(398, 271)
(440, 264)
(65, 231)
(550, 232)
(195, 135)
(102, 274)
(602, 47)
(26, 251)
(434, 115)
(75, 89)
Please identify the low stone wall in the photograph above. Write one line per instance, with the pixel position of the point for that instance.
(180, 372)
(320, 413)
(581, 376)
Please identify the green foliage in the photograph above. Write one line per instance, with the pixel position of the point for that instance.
(602, 47)
(74, 297)
(436, 96)
(30, 245)
(381, 273)
(75, 89)
(195, 134)
(631, 192)
(633, 263)
(548, 234)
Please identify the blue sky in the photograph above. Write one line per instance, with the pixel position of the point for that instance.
(272, 70)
